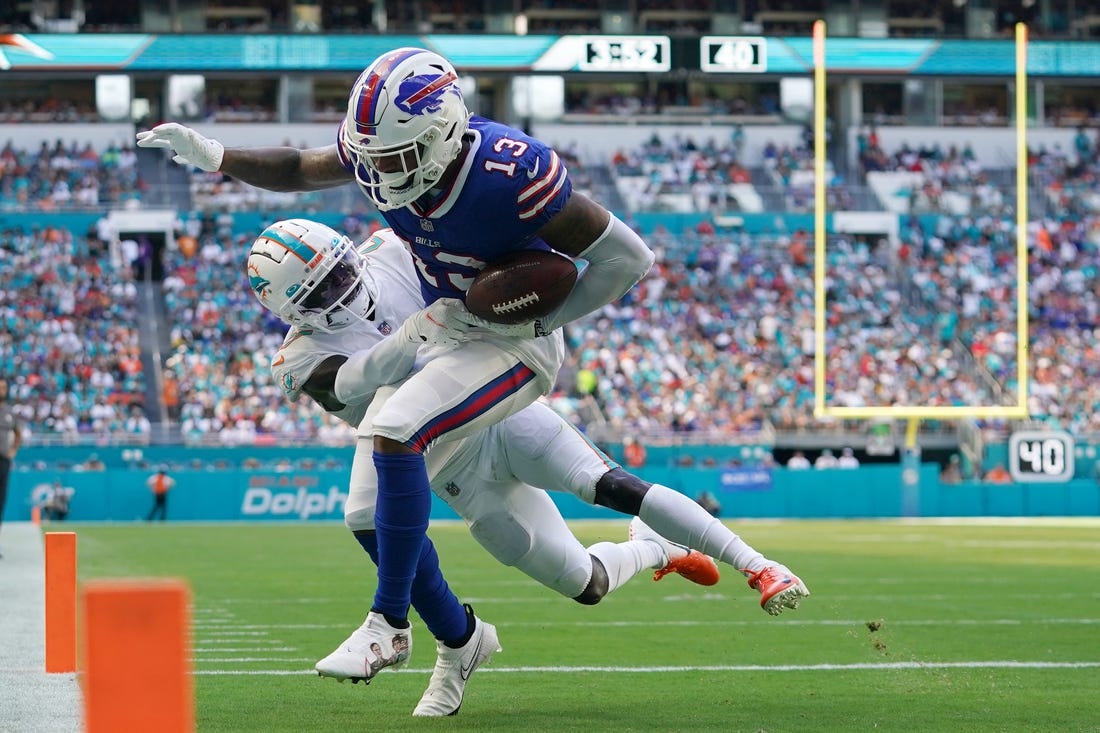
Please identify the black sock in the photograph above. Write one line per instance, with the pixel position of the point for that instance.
(394, 621)
(465, 638)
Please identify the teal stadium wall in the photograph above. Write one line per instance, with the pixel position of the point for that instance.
(207, 492)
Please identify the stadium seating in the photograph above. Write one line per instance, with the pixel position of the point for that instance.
(69, 345)
(716, 340)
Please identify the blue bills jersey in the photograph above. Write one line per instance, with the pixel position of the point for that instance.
(509, 186)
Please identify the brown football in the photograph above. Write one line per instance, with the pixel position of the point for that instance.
(521, 286)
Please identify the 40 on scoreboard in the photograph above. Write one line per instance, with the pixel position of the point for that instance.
(1040, 456)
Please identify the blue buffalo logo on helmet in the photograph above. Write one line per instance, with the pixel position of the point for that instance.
(424, 94)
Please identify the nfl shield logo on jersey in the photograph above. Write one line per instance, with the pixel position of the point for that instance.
(427, 225)
(384, 328)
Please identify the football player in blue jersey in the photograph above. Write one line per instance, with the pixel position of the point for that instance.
(461, 191)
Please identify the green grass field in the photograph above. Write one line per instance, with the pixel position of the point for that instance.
(911, 627)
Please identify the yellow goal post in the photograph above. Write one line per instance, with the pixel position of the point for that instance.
(914, 413)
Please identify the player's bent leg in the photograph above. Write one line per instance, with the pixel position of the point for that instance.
(453, 667)
(521, 527)
(555, 559)
(599, 585)
(545, 451)
(677, 517)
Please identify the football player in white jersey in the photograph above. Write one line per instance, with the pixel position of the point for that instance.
(350, 367)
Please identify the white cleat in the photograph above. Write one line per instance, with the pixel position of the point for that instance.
(371, 648)
(453, 668)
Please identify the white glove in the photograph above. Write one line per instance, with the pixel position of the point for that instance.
(526, 330)
(437, 325)
(190, 147)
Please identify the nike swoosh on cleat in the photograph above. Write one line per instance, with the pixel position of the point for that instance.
(464, 672)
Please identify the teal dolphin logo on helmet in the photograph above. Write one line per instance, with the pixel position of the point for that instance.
(259, 284)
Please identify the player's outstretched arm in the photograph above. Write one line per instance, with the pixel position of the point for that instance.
(271, 168)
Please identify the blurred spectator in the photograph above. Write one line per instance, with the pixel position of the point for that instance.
(952, 472)
(56, 505)
(798, 461)
(997, 475)
(826, 460)
(61, 177)
(634, 453)
(70, 341)
(708, 501)
(94, 463)
(160, 484)
(847, 459)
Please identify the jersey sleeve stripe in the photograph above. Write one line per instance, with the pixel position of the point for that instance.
(542, 203)
(533, 189)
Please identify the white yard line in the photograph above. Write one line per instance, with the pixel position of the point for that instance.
(763, 621)
(885, 666)
(223, 650)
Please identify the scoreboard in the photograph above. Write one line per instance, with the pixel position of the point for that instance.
(1041, 456)
(734, 54)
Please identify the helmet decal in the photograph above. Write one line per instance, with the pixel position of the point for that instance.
(297, 247)
(310, 276)
(367, 112)
(260, 285)
(424, 93)
(404, 125)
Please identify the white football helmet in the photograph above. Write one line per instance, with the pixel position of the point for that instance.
(310, 275)
(404, 126)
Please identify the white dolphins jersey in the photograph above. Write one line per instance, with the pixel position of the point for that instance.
(397, 296)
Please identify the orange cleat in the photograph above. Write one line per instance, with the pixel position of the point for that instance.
(779, 588)
(695, 566)
(692, 564)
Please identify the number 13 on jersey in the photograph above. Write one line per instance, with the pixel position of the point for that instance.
(1040, 456)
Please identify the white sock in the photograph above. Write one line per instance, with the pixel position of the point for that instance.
(679, 519)
(624, 560)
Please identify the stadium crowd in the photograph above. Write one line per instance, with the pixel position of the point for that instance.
(717, 339)
(68, 177)
(69, 345)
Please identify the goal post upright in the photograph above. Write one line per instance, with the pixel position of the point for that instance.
(1022, 323)
(819, 217)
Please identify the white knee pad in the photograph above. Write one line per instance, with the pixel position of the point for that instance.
(564, 567)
